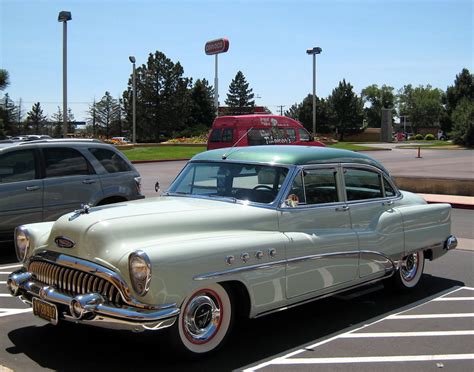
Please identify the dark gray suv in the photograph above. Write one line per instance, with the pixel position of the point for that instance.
(42, 180)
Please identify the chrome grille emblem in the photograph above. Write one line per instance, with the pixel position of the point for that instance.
(63, 242)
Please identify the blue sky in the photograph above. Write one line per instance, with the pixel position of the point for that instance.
(364, 41)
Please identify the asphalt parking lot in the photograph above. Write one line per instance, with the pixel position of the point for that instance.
(438, 333)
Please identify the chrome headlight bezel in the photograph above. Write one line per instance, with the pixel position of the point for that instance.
(22, 243)
(139, 267)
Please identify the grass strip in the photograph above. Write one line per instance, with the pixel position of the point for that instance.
(163, 152)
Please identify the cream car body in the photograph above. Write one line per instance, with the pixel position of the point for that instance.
(251, 229)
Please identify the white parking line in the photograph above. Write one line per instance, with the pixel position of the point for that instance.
(3, 282)
(378, 359)
(5, 272)
(10, 266)
(453, 299)
(7, 312)
(5, 295)
(407, 334)
(431, 316)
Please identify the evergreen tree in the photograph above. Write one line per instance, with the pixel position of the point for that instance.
(35, 118)
(92, 118)
(106, 112)
(8, 115)
(4, 79)
(240, 97)
(162, 104)
(202, 110)
(346, 110)
(57, 119)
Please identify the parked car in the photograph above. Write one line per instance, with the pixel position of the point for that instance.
(42, 180)
(254, 130)
(247, 231)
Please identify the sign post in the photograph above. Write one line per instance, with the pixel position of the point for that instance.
(216, 47)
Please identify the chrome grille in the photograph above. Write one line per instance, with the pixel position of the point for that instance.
(74, 282)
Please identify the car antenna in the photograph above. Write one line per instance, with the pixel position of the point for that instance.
(226, 154)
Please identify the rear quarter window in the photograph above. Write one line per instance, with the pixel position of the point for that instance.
(110, 160)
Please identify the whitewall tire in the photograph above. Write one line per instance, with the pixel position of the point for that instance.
(205, 320)
(409, 274)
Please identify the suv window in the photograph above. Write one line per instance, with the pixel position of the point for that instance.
(362, 184)
(17, 166)
(110, 160)
(314, 186)
(63, 161)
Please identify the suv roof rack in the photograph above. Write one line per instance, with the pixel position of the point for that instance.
(58, 140)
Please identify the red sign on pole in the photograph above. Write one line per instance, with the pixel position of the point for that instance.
(216, 46)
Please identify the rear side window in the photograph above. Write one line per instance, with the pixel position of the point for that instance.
(315, 186)
(63, 161)
(362, 184)
(110, 160)
(389, 191)
(17, 166)
(227, 135)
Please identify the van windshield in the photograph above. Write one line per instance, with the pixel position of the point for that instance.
(270, 136)
(246, 182)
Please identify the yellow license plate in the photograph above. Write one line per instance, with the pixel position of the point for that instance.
(45, 310)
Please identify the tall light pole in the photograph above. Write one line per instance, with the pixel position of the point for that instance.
(313, 52)
(63, 17)
(134, 113)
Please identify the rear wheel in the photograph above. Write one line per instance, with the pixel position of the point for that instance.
(409, 274)
(205, 320)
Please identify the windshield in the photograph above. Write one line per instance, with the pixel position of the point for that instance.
(247, 182)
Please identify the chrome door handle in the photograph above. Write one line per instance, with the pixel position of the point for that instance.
(344, 208)
(88, 181)
(388, 203)
(32, 188)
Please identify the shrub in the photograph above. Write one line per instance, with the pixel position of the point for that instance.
(429, 137)
(418, 137)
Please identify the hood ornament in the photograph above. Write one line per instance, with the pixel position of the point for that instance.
(85, 209)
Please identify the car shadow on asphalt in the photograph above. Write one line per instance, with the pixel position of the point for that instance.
(7, 253)
(75, 347)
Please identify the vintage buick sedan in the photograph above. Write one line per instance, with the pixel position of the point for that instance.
(245, 231)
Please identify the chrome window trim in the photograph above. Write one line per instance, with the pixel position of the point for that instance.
(94, 269)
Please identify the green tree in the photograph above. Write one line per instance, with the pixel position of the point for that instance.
(202, 111)
(240, 96)
(463, 122)
(423, 105)
(463, 88)
(305, 115)
(4, 79)
(107, 111)
(346, 107)
(8, 114)
(57, 118)
(377, 98)
(36, 119)
(92, 118)
(162, 104)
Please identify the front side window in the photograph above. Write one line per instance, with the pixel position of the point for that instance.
(362, 184)
(215, 135)
(110, 160)
(227, 135)
(314, 186)
(64, 161)
(17, 166)
(246, 182)
(304, 135)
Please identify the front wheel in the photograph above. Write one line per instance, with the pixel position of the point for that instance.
(409, 274)
(205, 320)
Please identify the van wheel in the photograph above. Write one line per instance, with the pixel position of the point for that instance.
(205, 321)
(409, 274)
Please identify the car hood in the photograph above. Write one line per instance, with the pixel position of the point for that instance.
(106, 234)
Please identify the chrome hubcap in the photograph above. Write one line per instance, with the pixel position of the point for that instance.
(409, 267)
(202, 319)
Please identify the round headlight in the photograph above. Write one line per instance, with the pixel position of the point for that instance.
(22, 243)
(140, 272)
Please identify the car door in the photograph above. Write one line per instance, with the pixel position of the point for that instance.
(379, 227)
(69, 181)
(322, 251)
(21, 190)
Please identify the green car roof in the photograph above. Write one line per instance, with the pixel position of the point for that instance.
(287, 155)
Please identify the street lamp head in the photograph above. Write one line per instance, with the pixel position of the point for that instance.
(315, 50)
(132, 59)
(64, 16)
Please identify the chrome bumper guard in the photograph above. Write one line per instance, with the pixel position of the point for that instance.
(92, 308)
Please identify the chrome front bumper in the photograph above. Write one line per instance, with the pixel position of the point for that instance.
(92, 308)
